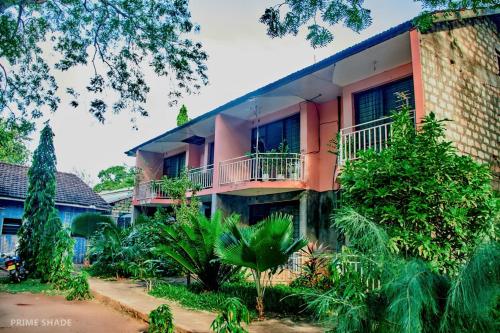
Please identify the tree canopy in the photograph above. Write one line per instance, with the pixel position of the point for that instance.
(182, 116)
(115, 177)
(14, 135)
(289, 16)
(119, 38)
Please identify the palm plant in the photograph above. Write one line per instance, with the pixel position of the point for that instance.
(262, 248)
(192, 245)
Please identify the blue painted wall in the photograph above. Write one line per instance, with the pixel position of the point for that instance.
(14, 209)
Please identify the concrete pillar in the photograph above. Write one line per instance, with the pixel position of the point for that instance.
(303, 207)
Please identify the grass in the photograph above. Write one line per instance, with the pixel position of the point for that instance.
(279, 300)
(33, 286)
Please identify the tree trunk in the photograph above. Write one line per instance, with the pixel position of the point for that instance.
(260, 296)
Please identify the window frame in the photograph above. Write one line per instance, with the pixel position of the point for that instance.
(284, 122)
(179, 169)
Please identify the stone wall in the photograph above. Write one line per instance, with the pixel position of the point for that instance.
(460, 73)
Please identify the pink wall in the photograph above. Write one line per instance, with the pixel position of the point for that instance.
(309, 142)
(328, 128)
(418, 84)
(150, 165)
(232, 139)
(370, 82)
(194, 156)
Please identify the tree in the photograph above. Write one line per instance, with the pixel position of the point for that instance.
(39, 206)
(289, 16)
(119, 38)
(86, 224)
(14, 136)
(192, 245)
(262, 248)
(115, 178)
(182, 117)
(434, 203)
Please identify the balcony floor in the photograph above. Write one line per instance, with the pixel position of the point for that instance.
(252, 188)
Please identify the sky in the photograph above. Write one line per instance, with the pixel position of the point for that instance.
(242, 58)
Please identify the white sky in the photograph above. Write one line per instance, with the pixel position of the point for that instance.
(241, 58)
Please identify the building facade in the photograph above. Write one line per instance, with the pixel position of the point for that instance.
(73, 197)
(270, 150)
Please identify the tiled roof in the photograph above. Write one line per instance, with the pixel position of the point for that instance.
(70, 189)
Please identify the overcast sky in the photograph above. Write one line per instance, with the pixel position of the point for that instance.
(241, 58)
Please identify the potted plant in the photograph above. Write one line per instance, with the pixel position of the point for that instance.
(281, 161)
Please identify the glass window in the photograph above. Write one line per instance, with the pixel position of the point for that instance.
(173, 166)
(273, 134)
(211, 148)
(11, 226)
(381, 101)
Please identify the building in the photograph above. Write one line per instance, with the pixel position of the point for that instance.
(73, 197)
(121, 205)
(233, 152)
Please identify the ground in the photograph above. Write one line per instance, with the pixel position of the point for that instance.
(22, 311)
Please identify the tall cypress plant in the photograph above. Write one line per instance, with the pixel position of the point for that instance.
(39, 206)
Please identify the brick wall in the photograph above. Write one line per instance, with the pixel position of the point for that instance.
(461, 83)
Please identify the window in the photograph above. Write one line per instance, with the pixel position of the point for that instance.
(381, 101)
(11, 226)
(173, 166)
(124, 221)
(271, 135)
(210, 153)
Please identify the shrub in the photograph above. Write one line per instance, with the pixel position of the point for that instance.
(230, 318)
(161, 320)
(192, 245)
(78, 287)
(314, 272)
(434, 203)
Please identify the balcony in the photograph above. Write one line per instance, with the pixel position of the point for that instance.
(149, 190)
(203, 177)
(262, 167)
(374, 135)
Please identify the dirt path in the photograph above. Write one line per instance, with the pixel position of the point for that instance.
(25, 313)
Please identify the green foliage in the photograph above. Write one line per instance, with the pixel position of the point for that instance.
(280, 299)
(161, 320)
(14, 136)
(115, 178)
(60, 263)
(119, 38)
(78, 287)
(412, 296)
(86, 224)
(262, 248)
(433, 203)
(289, 16)
(192, 245)
(130, 251)
(230, 318)
(107, 251)
(182, 116)
(176, 188)
(39, 206)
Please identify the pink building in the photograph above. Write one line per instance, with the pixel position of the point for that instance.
(233, 152)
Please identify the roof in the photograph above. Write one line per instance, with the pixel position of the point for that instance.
(116, 195)
(329, 61)
(70, 190)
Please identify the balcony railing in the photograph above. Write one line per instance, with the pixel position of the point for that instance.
(263, 167)
(150, 190)
(203, 177)
(374, 135)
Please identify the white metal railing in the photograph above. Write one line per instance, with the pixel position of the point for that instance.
(150, 190)
(203, 176)
(373, 134)
(262, 166)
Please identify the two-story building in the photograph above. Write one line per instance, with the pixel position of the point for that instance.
(235, 152)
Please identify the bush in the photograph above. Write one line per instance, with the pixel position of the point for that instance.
(161, 320)
(230, 318)
(434, 203)
(78, 287)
